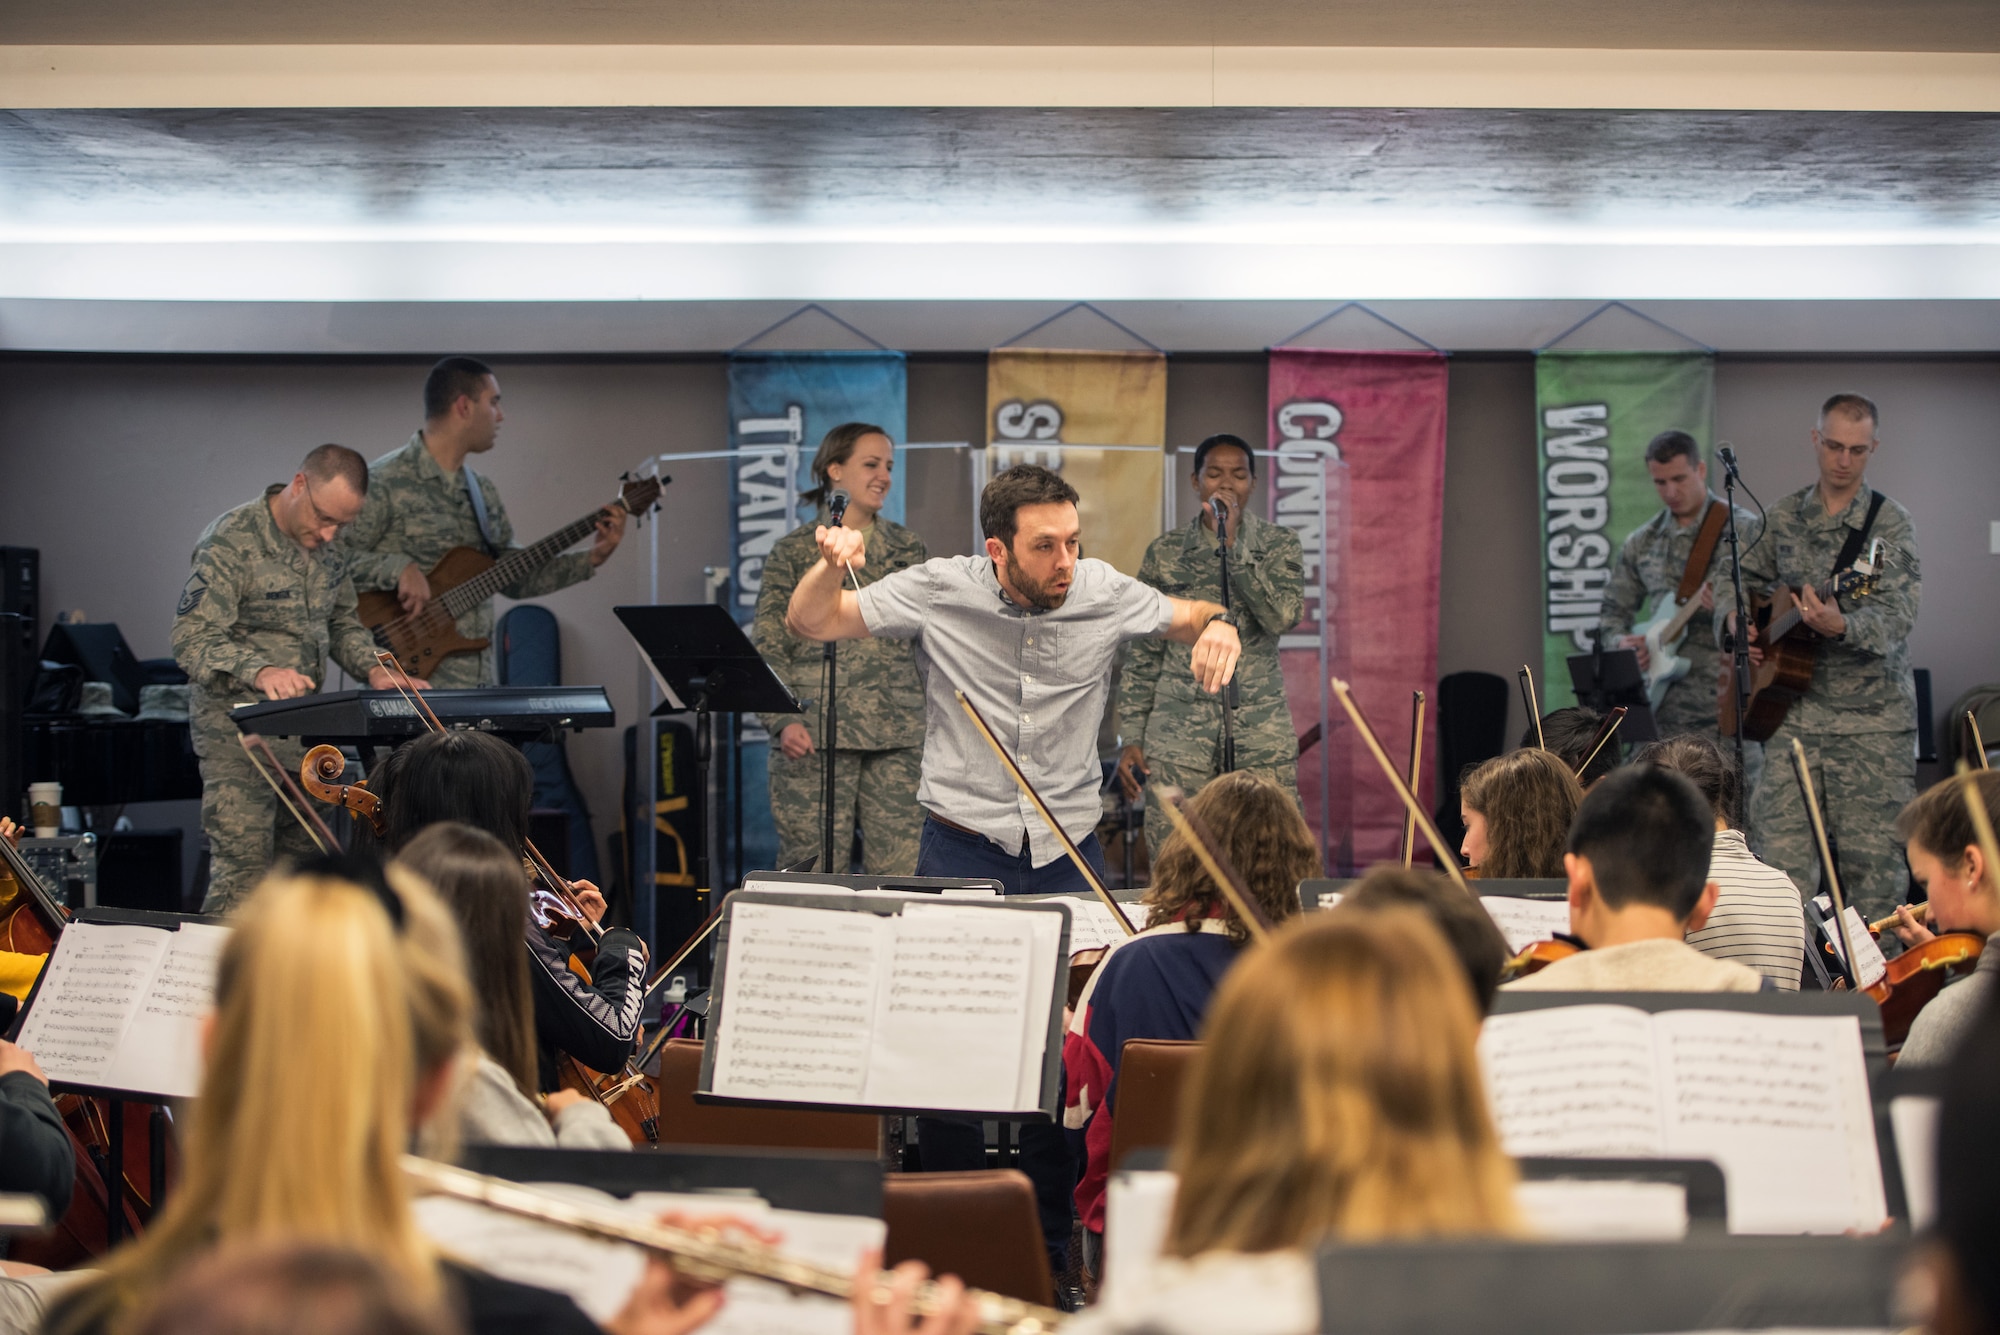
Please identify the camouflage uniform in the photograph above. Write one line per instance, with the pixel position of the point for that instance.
(255, 599)
(881, 722)
(1647, 574)
(1858, 719)
(1166, 713)
(417, 512)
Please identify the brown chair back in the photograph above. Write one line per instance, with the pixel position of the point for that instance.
(1151, 1072)
(980, 1226)
(685, 1122)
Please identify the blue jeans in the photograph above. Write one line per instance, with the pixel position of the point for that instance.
(943, 851)
(951, 1144)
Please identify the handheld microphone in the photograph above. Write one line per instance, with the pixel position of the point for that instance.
(1728, 456)
(836, 507)
(1221, 511)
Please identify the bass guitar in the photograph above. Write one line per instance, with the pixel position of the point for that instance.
(464, 578)
(1791, 650)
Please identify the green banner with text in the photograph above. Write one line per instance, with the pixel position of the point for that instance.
(1594, 414)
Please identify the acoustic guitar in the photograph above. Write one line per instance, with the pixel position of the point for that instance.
(1791, 650)
(464, 578)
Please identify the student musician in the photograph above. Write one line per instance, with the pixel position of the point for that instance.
(1517, 809)
(1947, 861)
(1759, 918)
(879, 726)
(479, 880)
(1336, 1097)
(1466, 927)
(1858, 719)
(1157, 984)
(1967, 1236)
(1570, 733)
(1638, 884)
(483, 782)
(1172, 728)
(424, 499)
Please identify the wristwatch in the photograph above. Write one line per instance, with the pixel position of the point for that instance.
(1225, 616)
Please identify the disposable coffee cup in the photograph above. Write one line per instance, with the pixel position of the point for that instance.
(45, 809)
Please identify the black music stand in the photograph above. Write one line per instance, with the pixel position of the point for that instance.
(1610, 677)
(702, 661)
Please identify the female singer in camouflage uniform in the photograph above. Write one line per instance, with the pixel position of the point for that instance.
(879, 733)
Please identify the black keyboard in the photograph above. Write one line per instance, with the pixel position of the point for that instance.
(521, 713)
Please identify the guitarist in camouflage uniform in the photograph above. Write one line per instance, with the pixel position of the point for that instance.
(420, 506)
(879, 729)
(1171, 727)
(1858, 719)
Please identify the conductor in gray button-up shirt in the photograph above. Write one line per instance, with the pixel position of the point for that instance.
(1028, 631)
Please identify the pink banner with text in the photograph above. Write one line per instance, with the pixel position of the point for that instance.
(1359, 476)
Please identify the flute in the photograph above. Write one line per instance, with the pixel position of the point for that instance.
(705, 1257)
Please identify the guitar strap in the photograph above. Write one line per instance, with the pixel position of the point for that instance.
(479, 512)
(1856, 537)
(1703, 550)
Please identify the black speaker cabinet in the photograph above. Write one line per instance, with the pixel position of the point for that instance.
(16, 676)
(21, 590)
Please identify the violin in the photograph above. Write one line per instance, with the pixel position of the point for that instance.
(320, 773)
(1540, 956)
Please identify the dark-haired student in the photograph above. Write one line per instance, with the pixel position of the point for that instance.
(424, 499)
(1517, 810)
(1570, 733)
(478, 780)
(1466, 927)
(479, 880)
(1638, 884)
(1947, 861)
(1158, 983)
(1964, 1256)
(1759, 918)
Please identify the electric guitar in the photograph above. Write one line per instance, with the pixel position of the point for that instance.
(464, 578)
(1791, 650)
(1663, 636)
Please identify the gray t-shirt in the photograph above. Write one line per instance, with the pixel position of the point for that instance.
(1935, 1033)
(1039, 677)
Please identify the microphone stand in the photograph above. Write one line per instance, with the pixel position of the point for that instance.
(1221, 513)
(830, 725)
(1739, 641)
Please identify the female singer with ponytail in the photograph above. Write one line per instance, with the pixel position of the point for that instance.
(879, 704)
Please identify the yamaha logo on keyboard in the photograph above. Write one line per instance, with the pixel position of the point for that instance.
(394, 707)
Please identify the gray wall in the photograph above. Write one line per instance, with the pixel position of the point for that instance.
(112, 466)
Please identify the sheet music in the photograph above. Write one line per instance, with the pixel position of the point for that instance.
(1526, 921)
(1604, 1209)
(1573, 1080)
(1044, 961)
(800, 1003)
(955, 984)
(1091, 926)
(162, 1049)
(1866, 949)
(88, 997)
(598, 1275)
(1914, 1120)
(1781, 1102)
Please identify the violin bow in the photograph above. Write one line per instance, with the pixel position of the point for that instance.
(1982, 825)
(1801, 768)
(1416, 773)
(1603, 738)
(1090, 876)
(1192, 829)
(405, 686)
(1527, 680)
(265, 761)
(1978, 742)
(1447, 861)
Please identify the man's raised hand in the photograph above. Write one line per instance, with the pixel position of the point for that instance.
(842, 547)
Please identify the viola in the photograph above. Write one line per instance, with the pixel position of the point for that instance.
(320, 773)
(1540, 956)
(1919, 974)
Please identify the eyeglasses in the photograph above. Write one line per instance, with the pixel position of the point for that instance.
(322, 518)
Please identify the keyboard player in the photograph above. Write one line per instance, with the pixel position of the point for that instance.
(268, 599)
